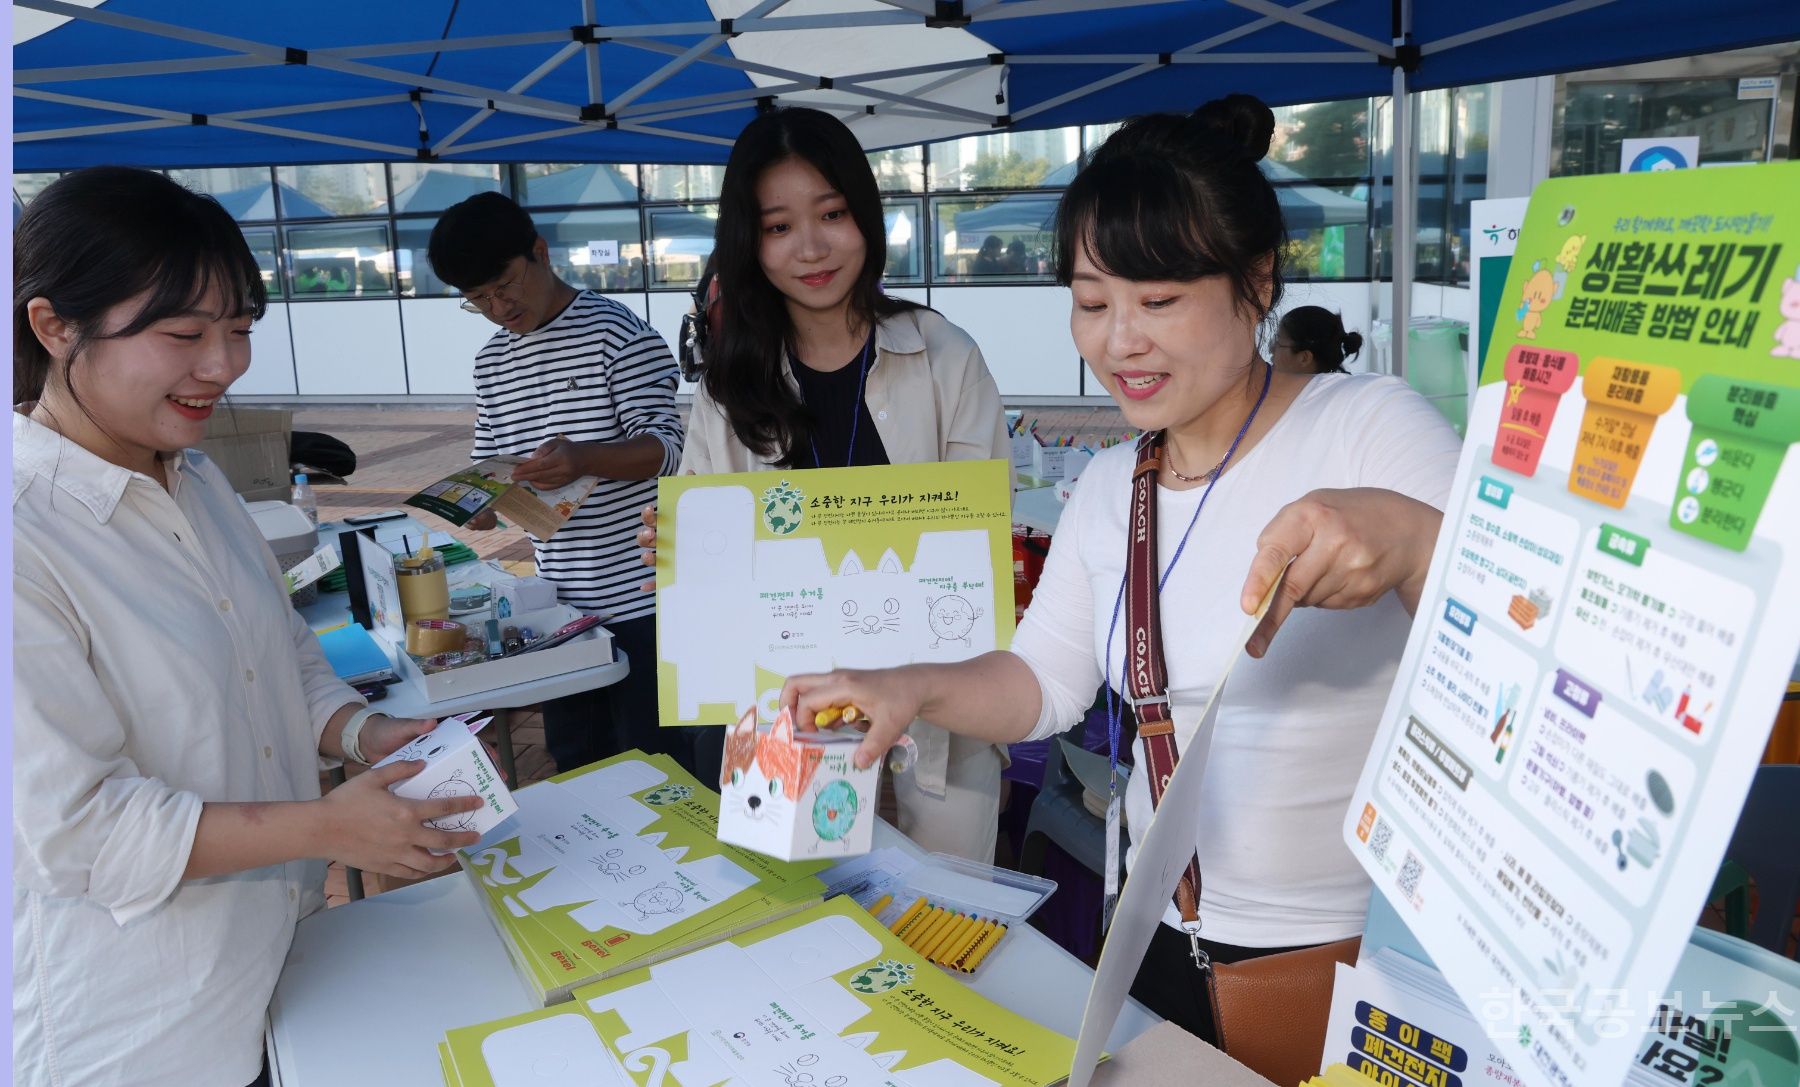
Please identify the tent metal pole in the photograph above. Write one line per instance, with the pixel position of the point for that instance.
(27, 76)
(1342, 56)
(1144, 69)
(1317, 26)
(592, 49)
(1404, 242)
(693, 53)
(1469, 37)
(93, 130)
(482, 114)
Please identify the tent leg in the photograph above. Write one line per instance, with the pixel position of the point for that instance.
(1404, 240)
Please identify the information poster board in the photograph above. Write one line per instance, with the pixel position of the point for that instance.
(1610, 616)
(765, 575)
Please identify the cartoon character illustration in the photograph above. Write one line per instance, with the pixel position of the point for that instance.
(664, 795)
(834, 810)
(609, 866)
(783, 508)
(661, 898)
(454, 785)
(876, 611)
(1787, 334)
(1570, 251)
(865, 607)
(952, 619)
(879, 977)
(763, 775)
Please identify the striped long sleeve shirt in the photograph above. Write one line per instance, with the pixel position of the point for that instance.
(595, 373)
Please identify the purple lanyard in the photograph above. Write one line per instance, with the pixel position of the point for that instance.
(856, 409)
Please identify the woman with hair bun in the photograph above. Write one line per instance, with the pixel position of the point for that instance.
(1172, 239)
(1312, 340)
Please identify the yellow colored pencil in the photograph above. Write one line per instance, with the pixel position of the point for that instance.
(907, 919)
(881, 903)
(950, 932)
(970, 939)
(983, 949)
(928, 931)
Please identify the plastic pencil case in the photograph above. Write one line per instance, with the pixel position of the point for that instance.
(973, 887)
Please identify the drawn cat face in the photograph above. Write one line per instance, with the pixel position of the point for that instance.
(764, 775)
(874, 611)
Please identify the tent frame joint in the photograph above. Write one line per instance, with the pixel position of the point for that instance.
(1406, 58)
(294, 56)
(725, 28)
(587, 34)
(595, 112)
(198, 119)
(1003, 120)
(949, 15)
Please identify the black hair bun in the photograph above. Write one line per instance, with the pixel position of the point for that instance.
(1242, 120)
(1353, 342)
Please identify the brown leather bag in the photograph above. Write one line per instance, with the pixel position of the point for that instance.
(1270, 1013)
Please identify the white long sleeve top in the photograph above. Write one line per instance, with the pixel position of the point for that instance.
(1295, 727)
(157, 665)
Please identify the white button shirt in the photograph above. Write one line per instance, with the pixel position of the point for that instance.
(157, 665)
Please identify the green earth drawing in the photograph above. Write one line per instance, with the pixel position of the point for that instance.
(664, 795)
(879, 977)
(784, 507)
(834, 810)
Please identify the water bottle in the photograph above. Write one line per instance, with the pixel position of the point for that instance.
(303, 498)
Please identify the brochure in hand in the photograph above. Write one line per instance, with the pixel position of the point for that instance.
(614, 866)
(458, 497)
(827, 996)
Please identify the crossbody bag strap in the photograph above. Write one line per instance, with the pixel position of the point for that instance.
(1146, 672)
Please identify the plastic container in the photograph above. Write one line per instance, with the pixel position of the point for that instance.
(291, 536)
(970, 889)
(303, 499)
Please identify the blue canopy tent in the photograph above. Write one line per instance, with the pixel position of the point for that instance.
(221, 82)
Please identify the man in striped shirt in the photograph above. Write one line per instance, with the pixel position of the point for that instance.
(581, 386)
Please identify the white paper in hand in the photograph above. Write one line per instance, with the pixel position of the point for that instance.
(1162, 855)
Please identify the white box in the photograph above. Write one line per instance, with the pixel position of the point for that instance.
(456, 764)
(517, 596)
(795, 796)
(588, 650)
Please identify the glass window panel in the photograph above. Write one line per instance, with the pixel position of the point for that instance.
(1324, 139)
(1008, 238)
(1092, 136)
(247, 192)
(899, 169)
(340, 260)
(1006, 160)
(598, 249)
(905, 241)
(435, 186)
(561, 183)
(262, 247)
(681, 238)
(315, 192)
(1471, 118)
(1328, 230)
(27, 186)
(411, 238)
(1596, 117)
(1432, 256)
(684, 183)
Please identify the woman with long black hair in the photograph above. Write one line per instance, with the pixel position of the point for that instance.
(813, 366)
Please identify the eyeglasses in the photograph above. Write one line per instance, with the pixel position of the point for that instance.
(502, 292)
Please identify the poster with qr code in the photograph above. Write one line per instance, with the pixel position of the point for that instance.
(1610, 617)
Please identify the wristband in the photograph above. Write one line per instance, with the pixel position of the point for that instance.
(350, 738)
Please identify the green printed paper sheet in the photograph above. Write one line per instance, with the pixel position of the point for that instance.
(1611, 613)
(764, 575)
(827, 994)
(616, 864)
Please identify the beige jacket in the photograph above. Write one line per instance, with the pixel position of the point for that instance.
(932, 399)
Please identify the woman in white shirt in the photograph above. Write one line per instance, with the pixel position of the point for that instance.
(1172, 241)
(814, 367)
(171, 711)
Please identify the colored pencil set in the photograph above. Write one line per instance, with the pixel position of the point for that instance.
(948, 937)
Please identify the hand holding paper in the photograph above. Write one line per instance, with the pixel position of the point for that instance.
(368, 827)
(554, 464)
(1347, 549)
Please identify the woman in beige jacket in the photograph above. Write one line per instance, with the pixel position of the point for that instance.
(812, 366)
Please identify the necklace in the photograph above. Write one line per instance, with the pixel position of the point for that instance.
(1205, 477)
(862, 378)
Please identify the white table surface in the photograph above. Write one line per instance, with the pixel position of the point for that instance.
(407, 699)
(371, 987)
(1037, 508)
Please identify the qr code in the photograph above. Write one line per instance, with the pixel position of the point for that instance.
(1380, 838)
(1410, 872)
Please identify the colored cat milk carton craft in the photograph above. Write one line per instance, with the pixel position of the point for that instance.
(795, 795)
(455, 765)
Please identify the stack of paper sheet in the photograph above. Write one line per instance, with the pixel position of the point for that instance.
(827, 997)
(613, 866)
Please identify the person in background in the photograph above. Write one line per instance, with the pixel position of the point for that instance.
(580, 386)
(990, 259)
(1312, 340)
(813, 366)
(1171, 240)
(171, 711)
